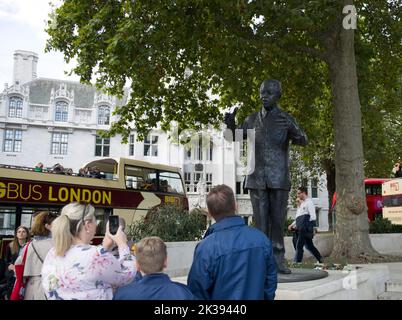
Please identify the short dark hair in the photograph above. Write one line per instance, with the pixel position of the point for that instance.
(303, 189)
(221, 201)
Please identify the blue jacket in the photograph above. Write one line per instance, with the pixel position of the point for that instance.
(233, 262)
(155, 286)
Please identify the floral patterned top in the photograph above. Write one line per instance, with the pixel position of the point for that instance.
(86, 272)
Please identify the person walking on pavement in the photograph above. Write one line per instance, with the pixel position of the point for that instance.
(304, 226)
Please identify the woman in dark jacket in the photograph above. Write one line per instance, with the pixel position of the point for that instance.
(14, 250)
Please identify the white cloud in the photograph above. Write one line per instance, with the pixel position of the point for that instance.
(22, 27)
(31, 12)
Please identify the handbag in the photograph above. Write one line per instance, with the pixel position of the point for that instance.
(20, 282)
(304, 226)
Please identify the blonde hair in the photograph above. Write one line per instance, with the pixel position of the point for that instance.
(151, 253)
(69, 224)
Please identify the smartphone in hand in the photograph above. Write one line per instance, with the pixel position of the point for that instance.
(113, 224)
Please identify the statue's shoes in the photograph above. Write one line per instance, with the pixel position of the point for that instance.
(284, 270)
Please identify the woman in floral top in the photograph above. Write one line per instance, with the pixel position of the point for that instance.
(76, 270)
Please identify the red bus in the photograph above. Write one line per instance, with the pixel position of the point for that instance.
(374, 198)
(128, 188)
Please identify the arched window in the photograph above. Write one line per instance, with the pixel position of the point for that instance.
(15, 107)
(61, 114)
(103, 115)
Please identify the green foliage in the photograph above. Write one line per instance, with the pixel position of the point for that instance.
(288, 222)
(170, 223)
(384, 225)
(179, 56)
(175, 54)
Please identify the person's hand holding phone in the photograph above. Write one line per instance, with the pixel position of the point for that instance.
(107, 242)
(115, 231)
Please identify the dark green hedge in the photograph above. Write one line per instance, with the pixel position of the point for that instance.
(383, 225)
(170, 223)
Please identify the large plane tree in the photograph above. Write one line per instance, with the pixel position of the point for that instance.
(187, 60)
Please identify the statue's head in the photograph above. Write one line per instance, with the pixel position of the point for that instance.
(270, 92)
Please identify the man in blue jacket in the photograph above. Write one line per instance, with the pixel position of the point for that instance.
(233, 261)
(151, 257)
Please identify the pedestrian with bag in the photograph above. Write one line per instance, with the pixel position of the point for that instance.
(36, 254)
(304, 226)
(14, 249)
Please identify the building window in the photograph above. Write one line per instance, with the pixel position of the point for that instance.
(104, 115)
(191, 180)
(151, 146)
(131, 145)
(210, 150)
(15, 108)
(12, 140)
(102, 146)
(187, 181)
(196, 179)
(208, 182)
(61, 114)
(198, 148)
(196, 151)
(314, 188)
(59, 143)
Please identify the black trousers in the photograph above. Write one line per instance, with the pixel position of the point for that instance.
(269, 215)
(305, 240)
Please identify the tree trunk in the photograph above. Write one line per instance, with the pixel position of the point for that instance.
(352, 230)
(329, 167)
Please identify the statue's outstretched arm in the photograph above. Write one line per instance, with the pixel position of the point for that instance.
(296, 134)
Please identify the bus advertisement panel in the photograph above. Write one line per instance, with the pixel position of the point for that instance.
(392, 194)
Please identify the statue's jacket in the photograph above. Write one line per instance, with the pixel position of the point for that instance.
(268, 148)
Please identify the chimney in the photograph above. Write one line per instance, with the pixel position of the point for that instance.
(25, 65)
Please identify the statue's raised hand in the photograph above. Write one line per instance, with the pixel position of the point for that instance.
(230, 119)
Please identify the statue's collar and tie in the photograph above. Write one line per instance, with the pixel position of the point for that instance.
(271, 110)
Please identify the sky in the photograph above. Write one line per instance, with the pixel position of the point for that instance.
(22, 25)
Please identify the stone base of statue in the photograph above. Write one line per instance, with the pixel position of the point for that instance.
(299, 274)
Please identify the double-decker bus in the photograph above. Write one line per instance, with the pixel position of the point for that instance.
(125, 187)
(374, 197)
(392, 194)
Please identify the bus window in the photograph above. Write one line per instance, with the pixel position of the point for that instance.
(27, 214)
(101, 216)
(140, 178)
(26, 218)
(373, 189)
(7, 220)
(170, 182)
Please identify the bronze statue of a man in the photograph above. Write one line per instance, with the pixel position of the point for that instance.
(269, 183)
